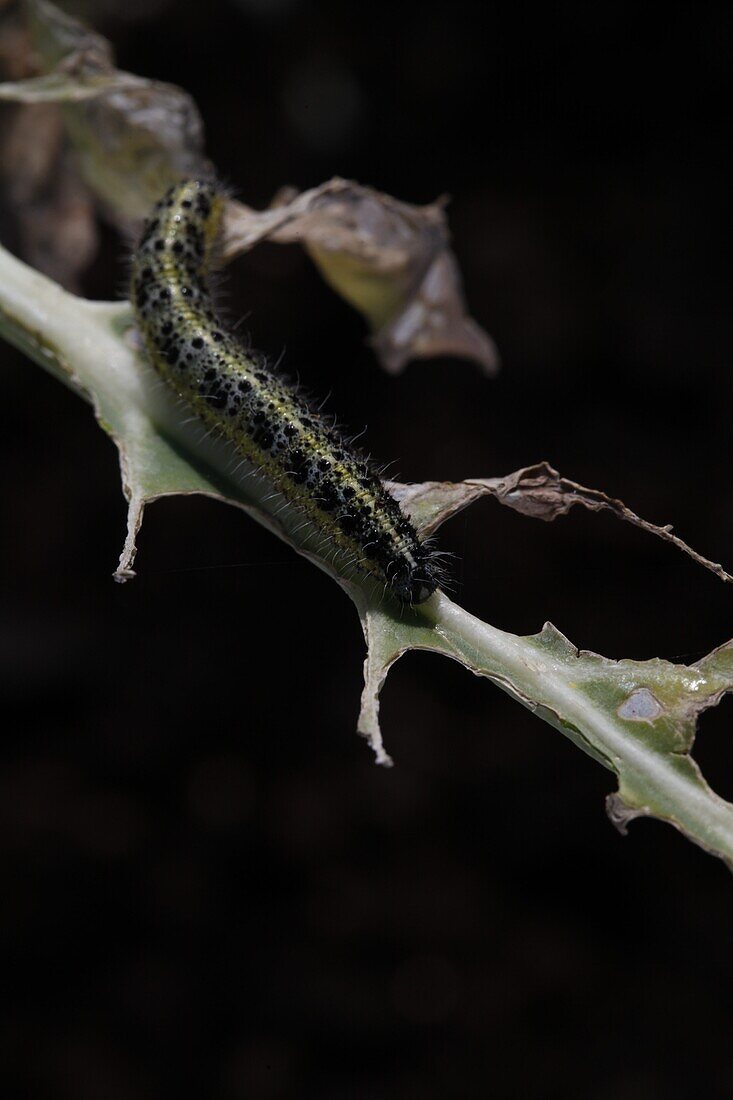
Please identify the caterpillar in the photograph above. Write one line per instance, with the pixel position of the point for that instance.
(236, 394)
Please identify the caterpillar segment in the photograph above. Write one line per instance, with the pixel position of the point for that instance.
(235, 393)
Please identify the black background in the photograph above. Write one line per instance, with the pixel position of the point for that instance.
(206, 882)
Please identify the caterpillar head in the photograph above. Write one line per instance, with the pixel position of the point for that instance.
(413, 585)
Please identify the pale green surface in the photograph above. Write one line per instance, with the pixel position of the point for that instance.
(637, 718)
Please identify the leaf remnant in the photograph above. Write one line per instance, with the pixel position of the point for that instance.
(636, 718)
(392, 261)
(134, 137)
(388, 259)
(538, 491)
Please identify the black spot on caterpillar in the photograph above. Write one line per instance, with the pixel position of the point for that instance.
(236, 394)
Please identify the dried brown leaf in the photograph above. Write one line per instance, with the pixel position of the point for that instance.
(538, 491)
(388, 259)
(132, 137)
(52, 210)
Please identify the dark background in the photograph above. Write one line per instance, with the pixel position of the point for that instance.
(206, 883)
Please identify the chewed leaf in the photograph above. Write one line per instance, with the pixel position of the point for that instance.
(133, 137)
(538, 491)
(53, 211)
(392, 261)
(637, 718)
(134, 141)
(48, 206)
(433, 321)
(389, 260)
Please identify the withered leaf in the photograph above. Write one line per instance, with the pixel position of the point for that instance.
(133, 137)
(390, 260)
(538, 491)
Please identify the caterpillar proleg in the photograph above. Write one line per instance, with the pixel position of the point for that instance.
(236, 394)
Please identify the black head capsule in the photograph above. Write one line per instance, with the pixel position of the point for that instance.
(413, 584)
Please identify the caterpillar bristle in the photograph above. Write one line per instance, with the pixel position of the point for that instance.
(301, 457)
